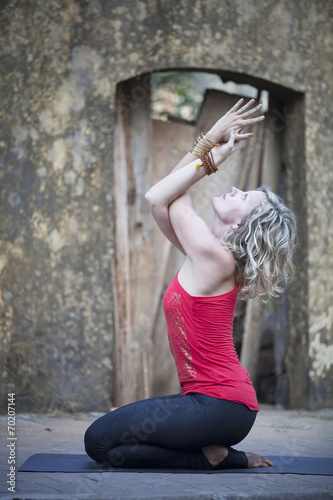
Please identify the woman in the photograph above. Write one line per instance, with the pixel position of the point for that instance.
(247, 252)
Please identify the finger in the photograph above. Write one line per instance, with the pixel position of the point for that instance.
(232, 137)
(250, 121)
(236, 106)
(243, 137)
(251, 111)
(247, 106)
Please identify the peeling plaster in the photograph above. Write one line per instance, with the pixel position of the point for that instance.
(69, 98)
(324, 321)
(321, 356)
(80, 187)
(55, 241)
(81, 146)
(18, 151)
(57, 155)
(42, 172)
(72, 225)
(49, 123)
(3, 262)
(40, 226)
(70, 177)
(14, 199)
(84, 75)
(15, 250)
(22, 134)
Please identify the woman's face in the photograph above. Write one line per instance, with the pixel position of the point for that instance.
(232, 207)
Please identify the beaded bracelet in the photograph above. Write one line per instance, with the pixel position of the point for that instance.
(208, 163)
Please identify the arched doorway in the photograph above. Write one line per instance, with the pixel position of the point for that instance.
(146, 149)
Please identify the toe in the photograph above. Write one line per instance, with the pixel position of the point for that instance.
(257, 461)
(264, 462)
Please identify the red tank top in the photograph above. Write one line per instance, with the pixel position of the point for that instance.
(200, 338)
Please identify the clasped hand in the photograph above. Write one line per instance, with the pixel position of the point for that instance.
(236, 119)
(228, 130)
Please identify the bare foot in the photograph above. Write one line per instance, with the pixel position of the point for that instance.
(256, 461)
(215, 453)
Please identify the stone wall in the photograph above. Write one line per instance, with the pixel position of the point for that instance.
(60, 64)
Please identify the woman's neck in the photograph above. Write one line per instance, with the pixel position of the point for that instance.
(220, 230)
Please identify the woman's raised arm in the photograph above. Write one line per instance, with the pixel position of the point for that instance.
(174, 188)
(160, 196)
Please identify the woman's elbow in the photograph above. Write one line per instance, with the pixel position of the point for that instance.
(153, 200)
(156, 200)
(149, 198)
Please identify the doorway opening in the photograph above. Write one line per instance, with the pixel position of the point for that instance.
(158, 118)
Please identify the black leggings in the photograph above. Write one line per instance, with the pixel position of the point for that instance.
(167, 432)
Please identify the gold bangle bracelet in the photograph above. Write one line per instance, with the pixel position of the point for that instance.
(202, 145)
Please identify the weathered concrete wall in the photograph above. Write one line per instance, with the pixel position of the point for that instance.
(60, 63)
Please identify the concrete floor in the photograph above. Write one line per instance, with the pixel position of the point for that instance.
(276, 432)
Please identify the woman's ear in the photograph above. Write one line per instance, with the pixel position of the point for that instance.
(235, 225)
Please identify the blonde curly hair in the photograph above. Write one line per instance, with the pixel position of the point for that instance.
(263, 246)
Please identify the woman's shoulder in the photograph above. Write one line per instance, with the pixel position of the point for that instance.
(217, 256)
(213, 275)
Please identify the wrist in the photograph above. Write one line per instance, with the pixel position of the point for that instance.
(202, 145)
(208, 162)
(218, 156)
(215, 136)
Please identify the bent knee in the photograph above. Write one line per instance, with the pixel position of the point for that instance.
(92, 444)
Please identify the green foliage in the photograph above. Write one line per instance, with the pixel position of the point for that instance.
(175, 93)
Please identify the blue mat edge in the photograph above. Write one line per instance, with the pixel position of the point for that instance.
(88, 466)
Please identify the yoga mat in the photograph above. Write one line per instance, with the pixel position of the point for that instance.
(47, 462)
